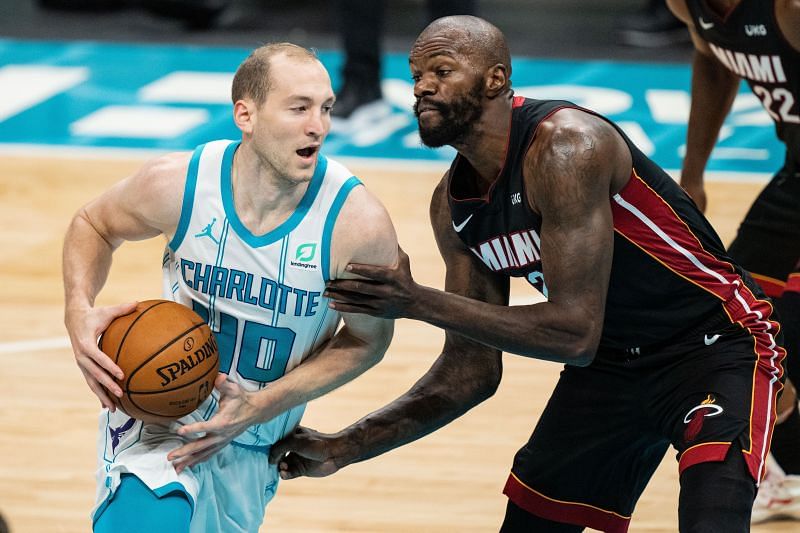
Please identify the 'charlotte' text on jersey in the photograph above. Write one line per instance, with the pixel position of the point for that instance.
(244, 287)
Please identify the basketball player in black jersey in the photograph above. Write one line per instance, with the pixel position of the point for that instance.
(664, 340)
(758, 41)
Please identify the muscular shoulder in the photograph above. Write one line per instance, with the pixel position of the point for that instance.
(568, 125)
(159, 187)
(146, 203)
(165, 173)
(572, 137)
(363, 233)
(575, 150)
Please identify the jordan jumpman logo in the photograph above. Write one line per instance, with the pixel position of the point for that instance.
(207, 232)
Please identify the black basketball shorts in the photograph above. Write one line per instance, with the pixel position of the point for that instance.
(607, 426)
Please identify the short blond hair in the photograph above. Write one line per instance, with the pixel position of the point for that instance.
(253, 77)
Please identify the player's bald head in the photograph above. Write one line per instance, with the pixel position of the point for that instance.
(473, 37)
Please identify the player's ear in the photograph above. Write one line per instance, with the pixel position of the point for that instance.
(496, 80)
(244, 115)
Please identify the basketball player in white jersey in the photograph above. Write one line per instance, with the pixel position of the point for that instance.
(254, 229)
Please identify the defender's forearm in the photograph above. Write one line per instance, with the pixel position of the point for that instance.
(542, 330)
(456, 383)
(341, 360)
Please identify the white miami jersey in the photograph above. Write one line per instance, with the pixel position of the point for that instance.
(260, 294)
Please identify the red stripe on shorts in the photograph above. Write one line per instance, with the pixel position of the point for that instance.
(580, 514)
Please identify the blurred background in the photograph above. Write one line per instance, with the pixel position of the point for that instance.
(576, 29)
(155, 74)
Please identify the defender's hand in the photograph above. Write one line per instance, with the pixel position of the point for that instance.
(84, 326)
(305, 452)
(386, 292)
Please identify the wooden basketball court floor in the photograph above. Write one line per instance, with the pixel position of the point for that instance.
(448, 481)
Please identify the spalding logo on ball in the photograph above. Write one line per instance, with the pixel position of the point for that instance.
(169, 357)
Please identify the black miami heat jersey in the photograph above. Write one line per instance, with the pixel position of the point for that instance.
(669, 268)
(748, 41)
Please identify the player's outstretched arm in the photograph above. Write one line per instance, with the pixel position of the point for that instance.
(465, 374)
(363, 232)
(569, 172)
(714, 89)
(138, 207)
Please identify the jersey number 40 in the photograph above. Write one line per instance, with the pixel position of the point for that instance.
(264, 350)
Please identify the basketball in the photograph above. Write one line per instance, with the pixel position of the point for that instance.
(169, 357)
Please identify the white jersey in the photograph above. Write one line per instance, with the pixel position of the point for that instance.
(261, 294)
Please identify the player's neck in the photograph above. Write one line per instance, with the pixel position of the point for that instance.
(263, 198)
(485, 147)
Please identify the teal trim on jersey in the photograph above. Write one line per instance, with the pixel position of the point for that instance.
(278, 233)
(287, 415)
(327, 232)
(211, 409)
(275, 315)
(188, 199)
(281, 273)
(325, 309)
(105, 442)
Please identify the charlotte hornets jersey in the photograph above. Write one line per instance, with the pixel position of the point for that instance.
(260, 294)
(748, 42)
(669, 269)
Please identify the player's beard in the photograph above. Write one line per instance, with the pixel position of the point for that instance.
(457, 119)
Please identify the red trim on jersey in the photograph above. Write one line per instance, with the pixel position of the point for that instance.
(648, 221)
(518, 101)
(772, 287)
(580, 514)
(793, 283)
(703, 453)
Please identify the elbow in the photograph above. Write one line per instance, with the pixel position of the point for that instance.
(490, 380)
(373, 356)
(582, 351)
(478, 380)
(373, 359)
(488, 389)
(581, 358)
(380, 344)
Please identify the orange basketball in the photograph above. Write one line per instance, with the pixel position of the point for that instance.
(169, 357)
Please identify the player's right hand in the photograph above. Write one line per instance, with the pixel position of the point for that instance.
(84, 326)
(304, 452)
